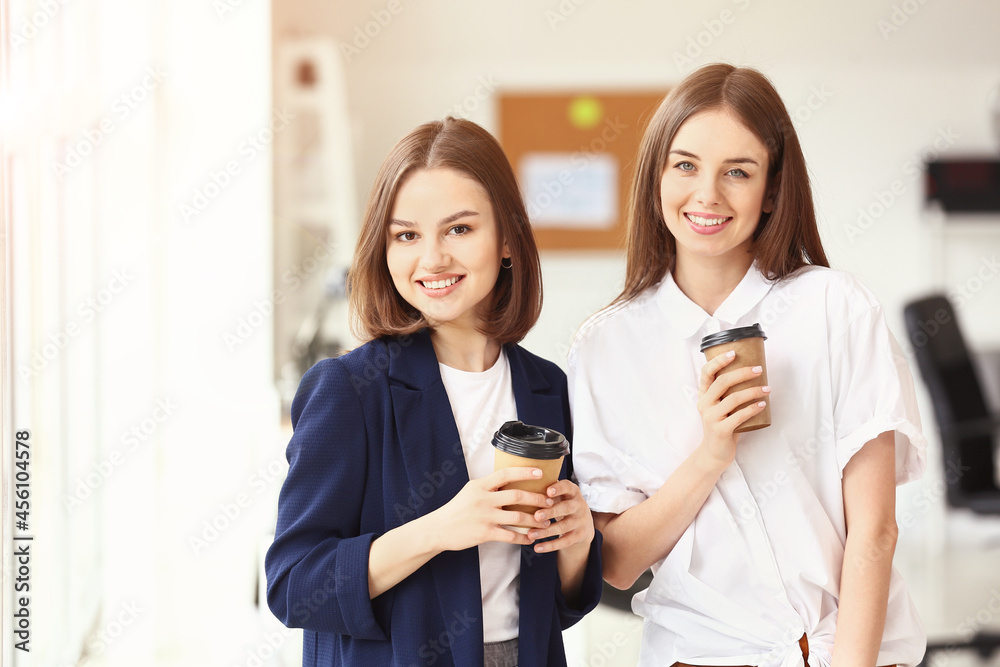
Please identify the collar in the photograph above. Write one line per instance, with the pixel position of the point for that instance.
(412, 362)
(686, 317)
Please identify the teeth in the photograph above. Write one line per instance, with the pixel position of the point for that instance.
(706, 222)
(440, 284)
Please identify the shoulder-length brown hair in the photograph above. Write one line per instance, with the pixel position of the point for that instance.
(376, 308)
(786, 239)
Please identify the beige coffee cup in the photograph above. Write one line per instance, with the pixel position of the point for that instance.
(748, 342)
(519, 445)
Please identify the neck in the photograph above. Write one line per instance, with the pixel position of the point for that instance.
(464, 349)
(708, 281)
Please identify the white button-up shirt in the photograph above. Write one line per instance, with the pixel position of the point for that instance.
(760, 564)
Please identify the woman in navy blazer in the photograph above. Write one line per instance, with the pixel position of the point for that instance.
(376, 553)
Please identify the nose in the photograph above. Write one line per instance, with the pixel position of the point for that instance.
(434, 258)
(708, 193)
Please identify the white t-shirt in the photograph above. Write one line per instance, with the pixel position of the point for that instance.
(481, 403)
(760, 564)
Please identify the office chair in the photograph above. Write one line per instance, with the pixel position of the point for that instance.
(966, 426)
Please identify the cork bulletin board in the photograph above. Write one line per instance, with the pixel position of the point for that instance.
(573, 154)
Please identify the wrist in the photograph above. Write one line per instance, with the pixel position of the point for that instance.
(426, 534)
(709, 462)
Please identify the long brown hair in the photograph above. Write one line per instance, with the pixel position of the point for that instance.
(785, 239)
(376, 308)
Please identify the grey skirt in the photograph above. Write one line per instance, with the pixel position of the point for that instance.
(501, 654)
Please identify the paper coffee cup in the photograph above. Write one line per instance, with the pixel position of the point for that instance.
(748, 342)
(519, 445)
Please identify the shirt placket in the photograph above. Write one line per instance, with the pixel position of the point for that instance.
(734, 485)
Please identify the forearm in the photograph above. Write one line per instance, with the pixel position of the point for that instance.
(642, 535)
(572, 563)
(864, 595)
(870, 514)
(399, 553)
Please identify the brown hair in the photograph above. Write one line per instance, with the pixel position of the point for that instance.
(376, 307)
(786, 239)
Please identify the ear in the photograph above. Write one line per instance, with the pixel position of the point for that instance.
(771, 194)
(505, 252)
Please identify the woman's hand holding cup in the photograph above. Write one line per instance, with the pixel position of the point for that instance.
(572, 522)
(476, 514)
(719, 415)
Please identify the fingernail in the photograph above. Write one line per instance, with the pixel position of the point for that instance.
(766, 389)
(731, 354)
(761, 404)
(536, 472)
(532, 534)
(540, 548)
(549, 502)
(757, 369)
(539, 515)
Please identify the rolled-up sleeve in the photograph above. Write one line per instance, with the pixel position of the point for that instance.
(611, 479)
(317, 567)
(873, 393)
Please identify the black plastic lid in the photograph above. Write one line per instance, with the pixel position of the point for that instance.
(729, 335)
(530, 442)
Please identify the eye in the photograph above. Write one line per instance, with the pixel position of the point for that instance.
(684, 166)
(406, 236)
(460, 230)
(738, 173)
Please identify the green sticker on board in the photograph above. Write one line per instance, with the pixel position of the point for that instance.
(585, 112)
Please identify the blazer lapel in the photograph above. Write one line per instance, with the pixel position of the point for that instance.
(431, 447)
(536, 404)
(539, 405)
(436, 471)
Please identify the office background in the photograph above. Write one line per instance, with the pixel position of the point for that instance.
(178, 207)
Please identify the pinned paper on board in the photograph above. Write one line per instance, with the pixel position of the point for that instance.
(577, 190)
(573, 154)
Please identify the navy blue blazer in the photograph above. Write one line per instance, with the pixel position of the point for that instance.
(375, 445)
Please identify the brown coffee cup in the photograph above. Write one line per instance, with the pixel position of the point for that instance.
(748, 342)
(519, 445)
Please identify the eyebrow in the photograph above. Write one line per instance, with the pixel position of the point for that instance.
(446, 221)
(735, 160)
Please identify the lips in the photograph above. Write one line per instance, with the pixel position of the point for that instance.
(707, 223)
(440, 287)
(440, 284)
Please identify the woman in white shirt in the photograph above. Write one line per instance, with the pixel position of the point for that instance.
(770, 547)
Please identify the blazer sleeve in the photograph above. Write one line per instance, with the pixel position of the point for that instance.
(593, 579)
(317, 567)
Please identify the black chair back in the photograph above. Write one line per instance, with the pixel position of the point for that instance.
(957, 395)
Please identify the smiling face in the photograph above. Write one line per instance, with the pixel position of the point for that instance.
(443, 246)
(714, 187)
